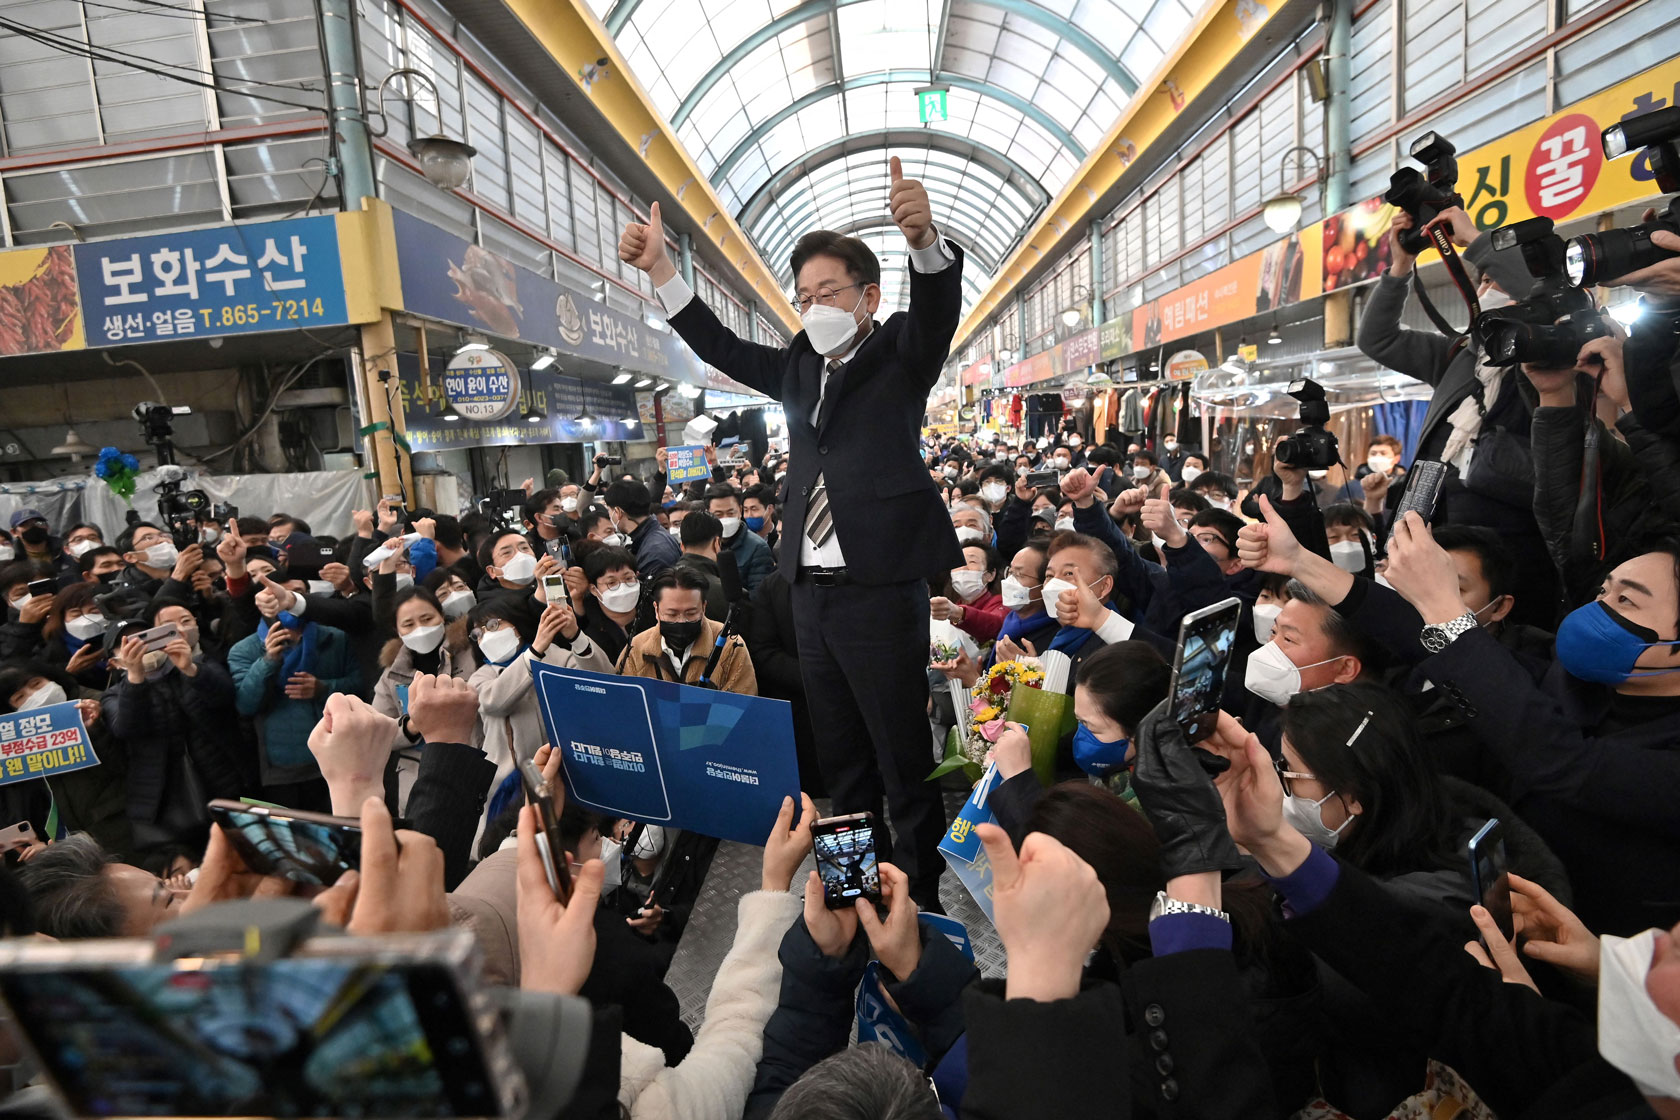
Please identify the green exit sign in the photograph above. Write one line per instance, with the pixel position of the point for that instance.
(931, 102)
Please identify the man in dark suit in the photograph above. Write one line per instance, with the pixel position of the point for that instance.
(863, 524)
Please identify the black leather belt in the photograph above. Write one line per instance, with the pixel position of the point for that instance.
(826, 577)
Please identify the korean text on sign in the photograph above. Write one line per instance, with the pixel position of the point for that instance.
(687, 464)
(42, 742)
(229, 280)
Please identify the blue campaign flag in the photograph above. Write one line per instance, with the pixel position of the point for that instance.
(711, 762)
(235, 279)
(42, 742)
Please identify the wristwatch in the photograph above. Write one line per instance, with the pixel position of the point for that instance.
(1437, 638)
(1165, 905)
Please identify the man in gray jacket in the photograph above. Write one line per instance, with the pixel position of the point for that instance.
(1478, 420)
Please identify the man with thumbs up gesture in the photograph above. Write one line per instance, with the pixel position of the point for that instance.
(864, 526)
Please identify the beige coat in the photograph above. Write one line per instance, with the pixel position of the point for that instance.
(645, 657)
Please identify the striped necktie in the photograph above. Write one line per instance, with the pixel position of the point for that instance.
(819, 519)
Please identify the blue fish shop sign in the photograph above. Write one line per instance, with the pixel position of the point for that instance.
(481, 384)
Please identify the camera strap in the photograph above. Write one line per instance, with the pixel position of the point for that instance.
(1461, 280)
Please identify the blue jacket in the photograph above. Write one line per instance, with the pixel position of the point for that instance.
(752, 557)
(284, 724)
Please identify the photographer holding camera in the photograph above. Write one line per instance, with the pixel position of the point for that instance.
(1479, 418)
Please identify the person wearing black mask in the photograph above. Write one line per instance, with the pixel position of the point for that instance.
(100, 565)
(549, 523)
(32, 538)
(681, 643)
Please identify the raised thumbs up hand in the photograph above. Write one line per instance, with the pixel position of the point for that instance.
(1269, 545)
(643, 247)
(910, 208)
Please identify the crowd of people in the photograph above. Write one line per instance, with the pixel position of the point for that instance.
(1283, 919)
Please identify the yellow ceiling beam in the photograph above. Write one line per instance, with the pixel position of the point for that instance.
(1219, 33)
(577, 40)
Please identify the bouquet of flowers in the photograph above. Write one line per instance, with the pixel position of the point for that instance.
(990, 703)
(119, 470)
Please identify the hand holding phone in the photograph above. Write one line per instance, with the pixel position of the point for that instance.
(1489, 877)
(310, 848)
(1206, 639)
(17, 837)
(548, 801)
(845, 850)
(554, 589)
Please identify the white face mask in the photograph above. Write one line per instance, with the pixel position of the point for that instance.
(569, 504)
(1493, 299)
(1316, 475)
(1633, 1033)
(209, 535)
(731, 526)
(423, 639)
(1064, 524)
(1220, 503)
(163, 554)
(50, 693)
(1379, 464)
(1015, 593)
(949, 471)
(1306, 817)
(651, 843)
(499, 645)
(830, 330)
(968, 534)
(406, 580)
(1061, 463)
(1265, 617)
(621, 599)
(7, 552)
(80, 548)
(1170, 444)
(1052, 591)
(1272, 676)
(1349, 556)
(87, 627)
(520, 570)
(459, 604)
(968, 585)
(617, 540)
(994, 492)
(1074, 442)
(676, 533)
(1141, 473)
(1191, 474)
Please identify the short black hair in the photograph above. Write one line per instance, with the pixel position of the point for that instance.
(1146, 454)
(1499, 567)
(1186, 498)
(1002, 471)
(92, 555)
(79, 526)
(447, 533)
(1348, 514)
(487, 547)
(251, 525)
(1213, 480)
(1223, 522)
(764, 492)
(861, 263)
(699, 528)
(538, 502)
(604, 558)
(629, 495)
(592, 517)
(125, 539)
(685, 579)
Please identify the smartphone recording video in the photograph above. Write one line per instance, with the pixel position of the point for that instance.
(353, 1032)
(1205, 641)
(1489, 876)
(312, 848)
(845, 849)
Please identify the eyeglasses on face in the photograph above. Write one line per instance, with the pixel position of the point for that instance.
(825, 296)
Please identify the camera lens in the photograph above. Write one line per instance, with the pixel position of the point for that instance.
(1614, 253)
(1575, 262)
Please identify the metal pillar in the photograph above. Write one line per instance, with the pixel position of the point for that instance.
(1097, 311)
(685, 261)
(351, 143)
(1337, 145)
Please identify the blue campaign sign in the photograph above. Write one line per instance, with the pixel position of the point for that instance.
(964, 853)
(42, 742)
(687, 464)
(877, 1021)
(236, 279)
(711, 762)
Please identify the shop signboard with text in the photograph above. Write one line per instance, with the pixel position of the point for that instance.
(244, 278)
(557, 401)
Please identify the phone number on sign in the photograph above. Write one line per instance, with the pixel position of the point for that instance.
(242, 314)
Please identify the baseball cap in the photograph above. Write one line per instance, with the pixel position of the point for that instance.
(26, 514)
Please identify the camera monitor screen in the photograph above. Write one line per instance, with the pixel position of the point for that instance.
(845, 849)
(293, 1037)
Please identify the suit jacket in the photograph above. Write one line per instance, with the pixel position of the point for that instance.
(865, 444)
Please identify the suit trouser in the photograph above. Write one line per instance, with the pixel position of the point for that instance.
(863, 655)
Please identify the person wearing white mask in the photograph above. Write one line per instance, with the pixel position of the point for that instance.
(608, 598)
(78, 542)
(428, 641)
(973, 526)
(74, 634)
(455, 596)
(972, 604)
(508, 559)
(507, 640)
(1191, 467)
(152, 558)
(1147, 472)
(630, 507)
(1216, 489)
(1027, 625)
(995, 484)
(753, 557)
(855, 391)
(1351, 534)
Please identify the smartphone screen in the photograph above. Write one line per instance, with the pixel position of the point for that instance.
(1205, 640)
(845, 849)
(539, 795)
(293, 1037)
(304, 847)
(1488, 874)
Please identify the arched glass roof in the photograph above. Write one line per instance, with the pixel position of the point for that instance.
(792, 107)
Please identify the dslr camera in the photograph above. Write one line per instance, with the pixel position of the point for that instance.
(1600, 258)
(1424, 194)
(1549, 326)
(1311, 446)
